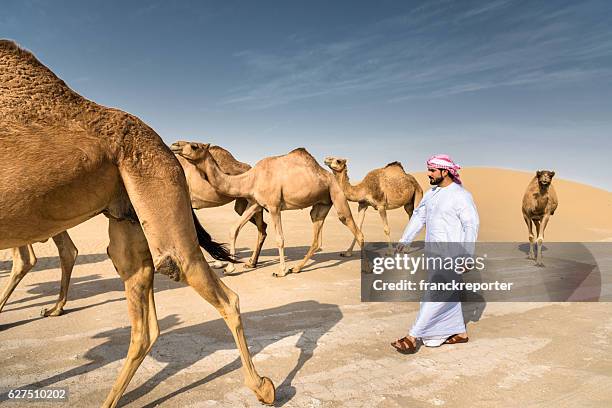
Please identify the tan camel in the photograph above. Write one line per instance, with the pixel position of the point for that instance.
(66, 159)
(539, 203)
(383, 189)
(203, 195)
(24, 260)
(289, 182)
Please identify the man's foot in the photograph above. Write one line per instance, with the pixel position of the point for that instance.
(457, 338)
(405, 345)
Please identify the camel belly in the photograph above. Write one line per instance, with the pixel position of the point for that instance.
(50, 189)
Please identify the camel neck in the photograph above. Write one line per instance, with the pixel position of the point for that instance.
(231, 186)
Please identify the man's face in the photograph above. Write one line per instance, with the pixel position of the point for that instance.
(435, 176)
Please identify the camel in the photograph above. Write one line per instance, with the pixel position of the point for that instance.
(66, 159)
(24, 260)
(203, 195)
(288, 182)
(383, 189)
(539, 203)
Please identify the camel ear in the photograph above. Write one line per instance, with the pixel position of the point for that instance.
(552, 174)
(205, 146)
(343, 161)
(539, 173)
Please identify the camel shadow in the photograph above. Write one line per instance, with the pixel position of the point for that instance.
(296, 254)
(53, 262)
(184, 347)
(524, 248)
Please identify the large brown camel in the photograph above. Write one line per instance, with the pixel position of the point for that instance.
(65, 159)
(383, 189)
(539, 203)
(289, 182)
(203, 195)
(24, 260)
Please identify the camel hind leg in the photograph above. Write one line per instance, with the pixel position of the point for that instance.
(317, 215)
(246, 216)
(68, 253)
(24, 260)
(383, 216)
(173, 243)
(130, 254)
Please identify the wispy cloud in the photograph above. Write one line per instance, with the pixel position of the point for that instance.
(436, 50)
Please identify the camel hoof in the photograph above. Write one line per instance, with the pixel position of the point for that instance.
(51, 312)
(266, 394)
(279, 275)
(346, 254)
(319, 249)
(229, 269)
(218, 264)
(249, 265)
(295, 269)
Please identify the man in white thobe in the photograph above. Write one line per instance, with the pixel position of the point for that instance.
(449, 215)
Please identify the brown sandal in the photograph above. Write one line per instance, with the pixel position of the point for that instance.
(456, 339)
(404, 346)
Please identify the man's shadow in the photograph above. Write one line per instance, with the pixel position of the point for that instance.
(183, 347)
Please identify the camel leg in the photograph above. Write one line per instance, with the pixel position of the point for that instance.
(529, 223)
(261, 237)
(360, 217)
(540, 240)
(246, 216)
(344, 213)
(275, 214)
(68, 253)
(130, 254)
(383, 216)
(317, 215)
(240, 205)
(23, 261)
(173, 244)
(320, 247)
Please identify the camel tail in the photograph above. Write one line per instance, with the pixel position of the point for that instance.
(215, 249)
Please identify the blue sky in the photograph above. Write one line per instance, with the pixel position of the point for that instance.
(514, 84)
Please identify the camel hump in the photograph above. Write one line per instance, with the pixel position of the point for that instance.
(395, 163)
(300, 150)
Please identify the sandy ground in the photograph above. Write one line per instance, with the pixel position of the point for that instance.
(309, 332)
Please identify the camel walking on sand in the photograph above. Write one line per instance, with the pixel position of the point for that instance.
(203, 195)
(24, 260)
(65, 159)
(383, 189)
(289, 182)
(539, 203)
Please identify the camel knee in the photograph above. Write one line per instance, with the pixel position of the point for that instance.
(343, 219)
(280, 242)
(140, 345)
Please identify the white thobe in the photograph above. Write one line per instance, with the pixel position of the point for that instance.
(449, 215)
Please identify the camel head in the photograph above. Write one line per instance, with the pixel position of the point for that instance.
(192, 151)
(335, 163)
(545, 177)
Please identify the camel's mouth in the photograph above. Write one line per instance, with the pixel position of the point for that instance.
(176, 148)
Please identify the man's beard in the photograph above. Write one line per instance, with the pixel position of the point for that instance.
(435, 181)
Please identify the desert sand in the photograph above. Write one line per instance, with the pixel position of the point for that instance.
(309, 332)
